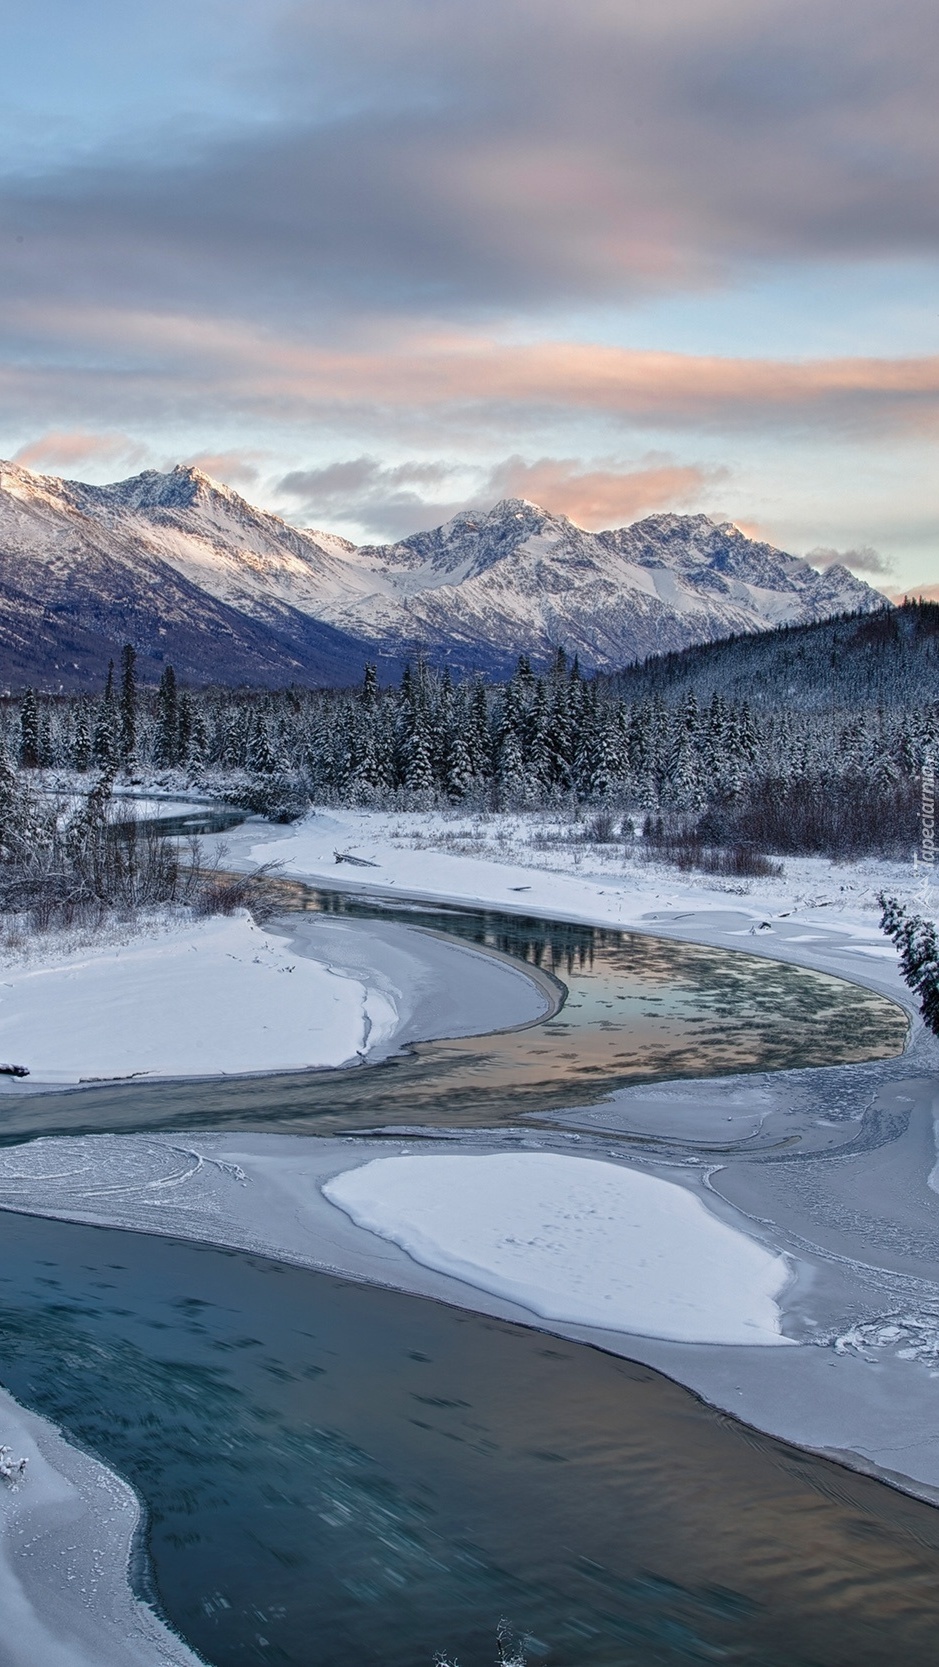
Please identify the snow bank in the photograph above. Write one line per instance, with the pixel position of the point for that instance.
(217, 995)
(819, 913)
(65, 1538)
(574, 1239)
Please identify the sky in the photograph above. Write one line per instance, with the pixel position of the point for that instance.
(372, 261)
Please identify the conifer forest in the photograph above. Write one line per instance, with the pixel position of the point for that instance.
(805, 739)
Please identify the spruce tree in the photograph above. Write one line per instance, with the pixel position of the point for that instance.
(82, 749)
(458, 780)
(369, 694)
(478, 734)
(918, 944)
(167, 743)
(184, 727)
(105, 737)
(418, 766)
(29, 732)
(128, 704)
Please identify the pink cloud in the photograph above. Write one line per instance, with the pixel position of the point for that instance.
(602, 497)
(66, 448)
(234, 468)
(211, 362)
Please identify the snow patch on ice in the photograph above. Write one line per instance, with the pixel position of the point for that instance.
(574, 1239)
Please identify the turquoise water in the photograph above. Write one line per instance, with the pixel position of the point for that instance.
(337, 1476)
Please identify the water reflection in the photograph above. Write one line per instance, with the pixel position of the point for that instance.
(134, 815)
(637, 1008)
(341, 1475)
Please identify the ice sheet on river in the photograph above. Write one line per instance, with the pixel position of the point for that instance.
(858, 1387)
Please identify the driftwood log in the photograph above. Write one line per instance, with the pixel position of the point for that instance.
(357, 862)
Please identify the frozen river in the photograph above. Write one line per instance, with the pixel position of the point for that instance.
(335, 1473)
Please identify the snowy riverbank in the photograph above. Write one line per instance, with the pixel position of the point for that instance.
(184, 999)
(66, 1533)
(817, 912)
(224, 996)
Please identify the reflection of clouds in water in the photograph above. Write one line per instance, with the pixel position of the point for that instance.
(638, 1008)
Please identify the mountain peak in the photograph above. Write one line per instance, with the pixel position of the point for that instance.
(177, 488)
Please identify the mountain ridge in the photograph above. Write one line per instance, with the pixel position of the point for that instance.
(191, 572)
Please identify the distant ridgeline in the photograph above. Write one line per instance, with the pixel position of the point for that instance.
(802, 739)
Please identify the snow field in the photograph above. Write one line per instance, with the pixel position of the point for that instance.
(574, 1239)
(209, 996)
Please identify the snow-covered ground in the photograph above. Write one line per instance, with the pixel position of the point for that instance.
(188, 999)
(65, 1539)
(574, 1239)
(546, 864)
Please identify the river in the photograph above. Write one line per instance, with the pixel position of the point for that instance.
(335, 1474)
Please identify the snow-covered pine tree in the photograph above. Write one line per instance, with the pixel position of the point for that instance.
(510, 776)
(167, 734)
(29, 732)
(81, 745)
(458, 779)
(105, 747)
(128, 704)
(417, 756)
(918, 943)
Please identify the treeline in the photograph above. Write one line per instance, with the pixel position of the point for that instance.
(841, 779)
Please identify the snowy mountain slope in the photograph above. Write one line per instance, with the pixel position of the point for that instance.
(82, 572)
(191, 572)
(519, 577)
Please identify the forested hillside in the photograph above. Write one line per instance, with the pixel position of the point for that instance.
(888, 659)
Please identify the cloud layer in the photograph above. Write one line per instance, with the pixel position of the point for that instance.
(146, 360)
(865, 559)
(510, 153)
(413, 496)
(405, 226)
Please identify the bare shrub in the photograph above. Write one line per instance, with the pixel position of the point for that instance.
(842, 818)
(77, 869)
(685, 845)
(739, 862)
(602, 828)
(217, 892)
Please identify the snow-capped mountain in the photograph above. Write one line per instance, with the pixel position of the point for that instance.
(179, 566)
(190, 572)
(519, 578)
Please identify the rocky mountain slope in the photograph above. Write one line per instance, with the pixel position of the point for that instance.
(190, 572)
